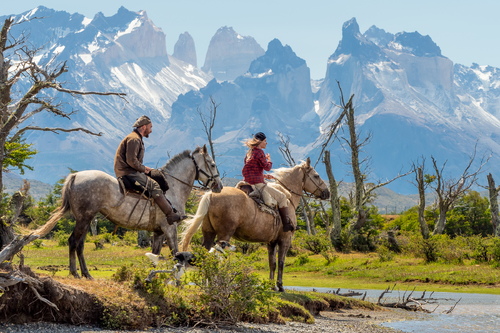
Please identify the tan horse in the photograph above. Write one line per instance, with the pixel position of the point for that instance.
(232, 213)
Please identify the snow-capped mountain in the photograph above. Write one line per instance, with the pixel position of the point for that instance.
(229, 54)
(122, 53)
(412, 99)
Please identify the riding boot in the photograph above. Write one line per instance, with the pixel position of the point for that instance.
(285, 219)
(166, 208)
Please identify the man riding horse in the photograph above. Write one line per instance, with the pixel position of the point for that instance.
(129, 166)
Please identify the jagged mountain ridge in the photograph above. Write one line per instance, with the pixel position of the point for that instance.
(122, 53)
(412, 99)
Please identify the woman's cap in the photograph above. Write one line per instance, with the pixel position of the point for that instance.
(260, 136)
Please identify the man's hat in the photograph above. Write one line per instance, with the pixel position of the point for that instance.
(260, 136)
(143, 120)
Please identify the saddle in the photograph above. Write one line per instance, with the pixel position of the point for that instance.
(129, 187)
(126, 185)
(271, 207)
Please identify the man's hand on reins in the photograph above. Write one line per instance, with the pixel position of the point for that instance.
(268, 177)
(147, 170)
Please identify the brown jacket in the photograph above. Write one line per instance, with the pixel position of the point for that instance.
(129, 155)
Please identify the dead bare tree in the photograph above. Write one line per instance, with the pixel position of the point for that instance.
(28, 86)
(208, 122)
(328, 137)
(418, 170)
(493, 192)
(363, 193)
(448, 190)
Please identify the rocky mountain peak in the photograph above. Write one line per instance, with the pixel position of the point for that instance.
(350, 28)
(185, 50)
(230, 54)
(278, 58)
(355, 44)
(415, 43)
(378, 36)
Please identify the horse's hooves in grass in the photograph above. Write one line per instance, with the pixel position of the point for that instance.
(89, 277)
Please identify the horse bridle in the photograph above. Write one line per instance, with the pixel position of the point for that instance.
(210, 178)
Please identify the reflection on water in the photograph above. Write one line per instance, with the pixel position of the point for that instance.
(474, 312)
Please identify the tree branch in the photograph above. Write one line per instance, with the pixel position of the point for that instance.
(55, 130)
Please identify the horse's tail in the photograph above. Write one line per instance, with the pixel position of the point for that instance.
(59, 212)
(193, 224)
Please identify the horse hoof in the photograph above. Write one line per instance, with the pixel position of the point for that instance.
(76, 275)
(89, 277)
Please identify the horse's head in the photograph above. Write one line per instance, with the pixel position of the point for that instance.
(206, 170)
(313, 183)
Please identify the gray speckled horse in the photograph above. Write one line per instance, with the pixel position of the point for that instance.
(86, 193)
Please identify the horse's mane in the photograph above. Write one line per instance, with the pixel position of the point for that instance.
(171, 163)
(282, 172)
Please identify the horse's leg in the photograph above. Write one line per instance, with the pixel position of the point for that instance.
(157, 242)
(208, 239)
(170, 232)
(72, 254)
(209, 233)
(271, 253)
(79, 249)
(284, 245)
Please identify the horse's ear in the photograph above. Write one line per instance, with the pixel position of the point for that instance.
(205, 151)
(308, 162)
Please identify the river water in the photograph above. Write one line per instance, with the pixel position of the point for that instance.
(474, 312)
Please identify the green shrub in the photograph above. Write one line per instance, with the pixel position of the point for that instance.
(384, 253)
(37, 243)
(480, 248)
(124, 273)
(330, 257)
(229, 287)
(495, 252)
(302, 259)
(429, 249)
(130, 238)
(61, 237)
(317, 243)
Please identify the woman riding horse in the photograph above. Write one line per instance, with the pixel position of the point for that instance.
(253, 173)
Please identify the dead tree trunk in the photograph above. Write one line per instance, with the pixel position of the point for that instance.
(306, 218)
(15, 206)
(493, 191)
(424, 228)
(334, 200)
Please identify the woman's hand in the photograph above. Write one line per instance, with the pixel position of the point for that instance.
(268, 177)
(268, 157)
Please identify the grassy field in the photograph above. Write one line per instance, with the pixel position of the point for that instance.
(348, 271)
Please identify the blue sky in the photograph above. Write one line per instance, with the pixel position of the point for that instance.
(466, 31)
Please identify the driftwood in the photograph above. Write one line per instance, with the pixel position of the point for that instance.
(412, 303)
